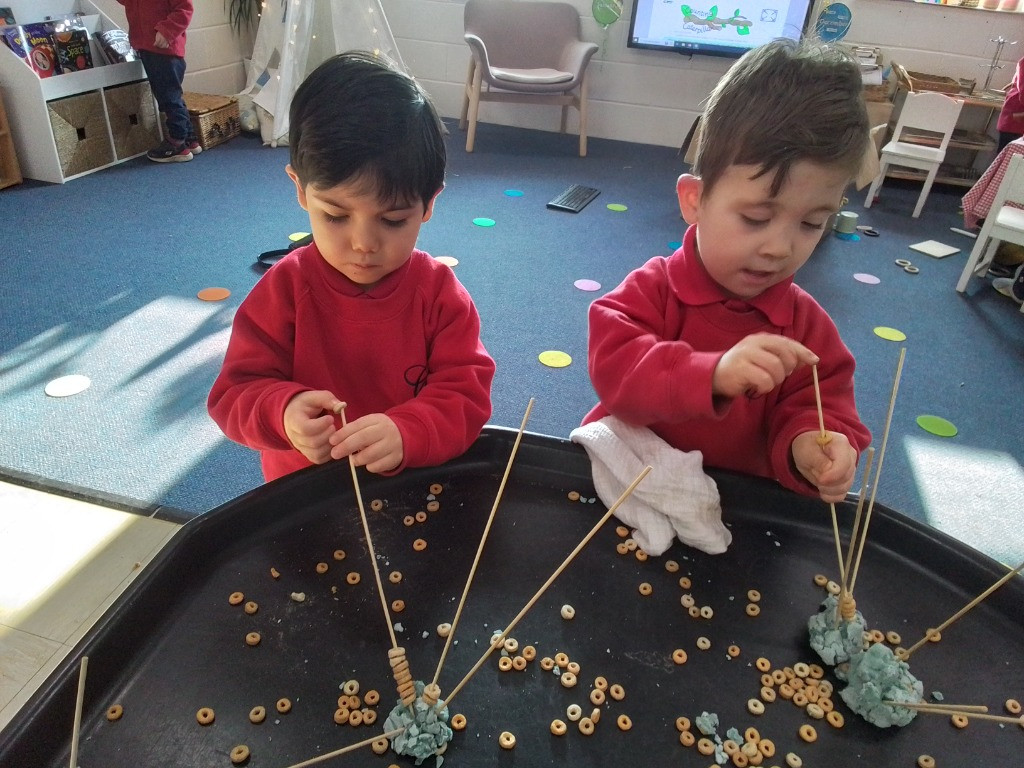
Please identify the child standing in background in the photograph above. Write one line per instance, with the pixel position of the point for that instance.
(711, 347)
(156, 29)
(1011, 116)
(359, 314)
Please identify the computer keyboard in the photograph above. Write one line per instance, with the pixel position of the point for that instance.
(574, 199)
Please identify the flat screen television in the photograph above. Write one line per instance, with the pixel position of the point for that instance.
(715, 28)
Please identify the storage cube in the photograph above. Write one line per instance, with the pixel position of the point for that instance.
(133, 119)
(80, 131)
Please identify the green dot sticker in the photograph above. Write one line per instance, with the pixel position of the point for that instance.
(554, 359)
(890, 334)
(483, 222)
(514, 192)
(937, 425)
(617, 207)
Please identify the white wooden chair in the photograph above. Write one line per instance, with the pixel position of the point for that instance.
(525, 52)
(1005, 222)
(930, 117)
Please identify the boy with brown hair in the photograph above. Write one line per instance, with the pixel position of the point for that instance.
(360, 314)
(711, 347)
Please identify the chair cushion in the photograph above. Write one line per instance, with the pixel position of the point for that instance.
(531, 75)
(1010, 217)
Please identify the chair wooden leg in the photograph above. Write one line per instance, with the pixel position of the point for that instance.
(925, 190)
(564, 122)
(583, 116)
(876, 184)
(465, 93)
(972, 264)
(474, 108)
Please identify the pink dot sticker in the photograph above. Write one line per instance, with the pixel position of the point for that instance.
(863, 277)
(587, 285)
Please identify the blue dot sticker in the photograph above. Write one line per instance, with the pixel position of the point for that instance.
(483, 222)
(514, 192)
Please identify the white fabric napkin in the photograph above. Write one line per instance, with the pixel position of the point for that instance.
(676, 497)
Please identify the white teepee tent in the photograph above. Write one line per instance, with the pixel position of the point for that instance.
(296, 36)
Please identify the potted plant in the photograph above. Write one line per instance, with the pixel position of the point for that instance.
(242, 13)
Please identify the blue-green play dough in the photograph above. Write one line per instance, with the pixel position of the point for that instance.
(426, 729)
(876, 676)
(835, 643)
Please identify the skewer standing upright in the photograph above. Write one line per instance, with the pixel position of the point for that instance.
(824, 439)
(483, 540)
(79, 700)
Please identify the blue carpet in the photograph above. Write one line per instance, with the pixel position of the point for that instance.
(101, 275)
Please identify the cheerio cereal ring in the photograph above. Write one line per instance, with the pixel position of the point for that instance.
(814, 711)
(679, 656)
(114, 712)
(925, 761)
(768, 694)
(251, 607)
(505, 664)
(687, 739)
(597, 697)
(518, 663)
(601, 682)
(372, 698)
(379, 746)
(511, 644)
(595, 715)
(684, 582)
(753, 609)
(958, 720)
(284, 706)
(766, 747)
(640, 555)
(507, 740)
(341, 715)
(706, 746)
(1013, 706)
(435, 489)
(755, 706)
(322, 567)
(529, 652)
(395, 577)
(355, 717)
(763, 665)
(574, 667)
(420, 517)
(398, 605)
(369, 716)
(753, 596)
(574, 712)
(671, 566)
(706, 612)
(444, 629)
(562, 659)
(793, 760)
(624, 722)
(621, 548)
(567, 679)
(835, 718)
(558, 727)
(205, 716)
(703, 643)
(408, 521)
(239, 754)
(682, 724)
(568, 612)
(586, 726)
(733, 651)
(752, 734)
(458, 722)
(419, 545)
(376, 505)
(816, 671)
(339, 554)
(547, 663)
(353, 578)
(252, 638)
(807, 733)
(236, 598)
(617, 692)
(257, 715)
(433, 506)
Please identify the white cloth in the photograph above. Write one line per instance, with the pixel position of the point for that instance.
(676, 497)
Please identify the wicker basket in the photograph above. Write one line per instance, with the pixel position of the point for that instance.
(80, 132)
(214, 118)
(133, 119)
(919, 81)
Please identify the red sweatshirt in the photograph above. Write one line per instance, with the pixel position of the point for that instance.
(655, 341)
(147, 17)
(1011, 116)
(410, 348)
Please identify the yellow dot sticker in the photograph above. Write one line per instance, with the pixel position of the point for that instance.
(937, 425)
(617, 207)
(450, 261)
(890, 334)
(296, 236)
(554, 359)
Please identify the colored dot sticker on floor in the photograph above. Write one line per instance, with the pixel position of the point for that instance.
(554, 359)
(587, 285)
(864, 277)
(890, 334)
(675, 245)
(483, 222)
(213, 294)
(296, 236)
(65, 386)
(514, 192)
(937, 425)
(451, 261)
(617, 207)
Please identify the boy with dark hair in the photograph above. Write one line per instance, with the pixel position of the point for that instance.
(710, 348)
(156, 29)
(359, 314)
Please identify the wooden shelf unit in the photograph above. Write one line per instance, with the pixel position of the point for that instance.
(10, 171)
(52, 144)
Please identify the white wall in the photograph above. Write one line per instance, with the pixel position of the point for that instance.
(653, 97)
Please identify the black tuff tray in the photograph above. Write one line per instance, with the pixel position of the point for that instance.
(172, 643)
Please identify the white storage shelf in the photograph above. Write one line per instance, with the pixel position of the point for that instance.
(42, 137)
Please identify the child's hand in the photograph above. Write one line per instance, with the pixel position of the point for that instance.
(758, 364)
(160, 41)
(309, 422)
(373, 441)
(830, 467)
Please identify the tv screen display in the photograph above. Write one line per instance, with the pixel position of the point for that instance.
(718, 29)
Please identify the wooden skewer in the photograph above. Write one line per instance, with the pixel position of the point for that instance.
(878, 471)
(969, 713)
(483, 540)
(340, 410)
(823, 440)
(350, 748)
(962, 611)
(951, 708)
(78, 711)
(499, 639)
(862, 497)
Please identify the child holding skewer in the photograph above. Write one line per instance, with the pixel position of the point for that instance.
(359, 314)
(711, 347)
